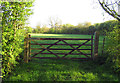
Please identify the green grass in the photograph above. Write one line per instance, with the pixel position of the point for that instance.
(63, 70)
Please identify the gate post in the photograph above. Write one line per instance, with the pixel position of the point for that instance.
(96, 43)
(26, 49)
(103, 46)
(29, 47)
(92, 46)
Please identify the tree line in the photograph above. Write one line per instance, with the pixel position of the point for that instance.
(82, 28)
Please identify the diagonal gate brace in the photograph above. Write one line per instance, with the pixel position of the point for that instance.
(46, 48)
(75, 48)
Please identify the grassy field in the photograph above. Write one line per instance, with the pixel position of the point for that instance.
(63, 70)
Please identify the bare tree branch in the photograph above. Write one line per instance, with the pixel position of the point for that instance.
(112, 11)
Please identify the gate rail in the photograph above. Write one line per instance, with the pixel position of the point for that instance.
(27, 45)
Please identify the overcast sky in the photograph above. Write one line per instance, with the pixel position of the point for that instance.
(69, 11)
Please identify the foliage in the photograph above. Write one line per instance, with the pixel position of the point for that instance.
(113, 48)
(28, 29)
(81, 28)
(40, 29)
(105, 27)
(13, 20)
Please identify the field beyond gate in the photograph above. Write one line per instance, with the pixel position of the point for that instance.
(48, 46)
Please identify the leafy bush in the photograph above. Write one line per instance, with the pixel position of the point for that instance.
(113, 47)
(106, 26)
(13, 20)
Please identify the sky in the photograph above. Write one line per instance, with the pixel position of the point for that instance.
(69, 11)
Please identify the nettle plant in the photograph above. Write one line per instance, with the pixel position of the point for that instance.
(13, 21)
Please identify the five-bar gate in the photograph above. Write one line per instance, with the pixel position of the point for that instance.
(49, 47)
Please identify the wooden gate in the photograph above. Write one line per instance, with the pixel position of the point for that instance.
(49, 48)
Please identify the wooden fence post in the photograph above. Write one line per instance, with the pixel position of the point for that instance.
(26, 49)
(103, 46)
(96, 44)
(92, 46)
(29, 47)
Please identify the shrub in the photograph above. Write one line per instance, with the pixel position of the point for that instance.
(113, 48)
(13, 20)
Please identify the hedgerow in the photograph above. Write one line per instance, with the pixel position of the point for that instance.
(14, 19)
(113, 48)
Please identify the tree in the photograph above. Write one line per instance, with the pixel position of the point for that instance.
(28, 29)
(111, 7)
(80, 25)
(55, 23)
(38, 29)
(87, 24)
(14, 19)
(113, 47)
(45, 29)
